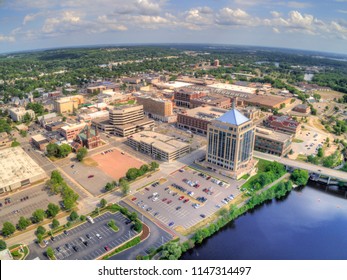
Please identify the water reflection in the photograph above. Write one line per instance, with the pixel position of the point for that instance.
(308, 224)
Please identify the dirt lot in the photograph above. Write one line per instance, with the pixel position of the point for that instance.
(116, 164)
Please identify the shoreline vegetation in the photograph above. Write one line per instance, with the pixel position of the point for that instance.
(270, 172)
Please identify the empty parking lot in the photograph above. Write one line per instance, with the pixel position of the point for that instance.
(70, 246)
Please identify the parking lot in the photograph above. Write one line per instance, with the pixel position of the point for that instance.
(184, 207)
(70, 246)
(311, 141)
(91, 178)
(25, 202)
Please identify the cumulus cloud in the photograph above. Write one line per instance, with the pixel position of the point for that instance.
(235, 17)
(4, 38)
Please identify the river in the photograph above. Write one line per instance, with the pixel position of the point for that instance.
(307, 224)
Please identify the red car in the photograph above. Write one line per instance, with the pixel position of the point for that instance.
(133, 199)
(186, 200)
(164, 199)
(107, 248)
(147, 189)
(181, 197)
(90, 176)
(169, 201)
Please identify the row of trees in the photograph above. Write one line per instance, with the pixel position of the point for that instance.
(134, 173)
(57, 185)
(37, 216)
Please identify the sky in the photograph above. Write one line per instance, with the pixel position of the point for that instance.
(319, 25)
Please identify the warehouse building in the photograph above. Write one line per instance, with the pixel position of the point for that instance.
(18, 170)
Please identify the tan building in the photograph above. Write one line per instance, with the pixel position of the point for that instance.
(267, 101)
(158, 146)
(126, 114)
(158, 109)
(96, 89)
(70, 131)
(230, 144)
(5, 141)
(68, 104)
(40, 142)
(128, 129)
(17, 114)
(17, 170)
(272, 142)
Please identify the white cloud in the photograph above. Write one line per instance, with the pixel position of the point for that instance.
(235, 17)
(298, 5)
(276, 30)
(4, 38)
(275, 14)
(342, 11)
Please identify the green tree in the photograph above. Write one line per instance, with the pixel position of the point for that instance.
(64, 150)
(55, 223)
(132, 174)
(3, 245)
(52, 210)
(39, 238)
(26, 118)
(73, 216)
(38, 216)
(23, 223)
(83, 218)
(320, 152)
(125, 187)
(81, 153)
(154, 165)
(50, 252)
(23, 133)
(137, 226)
(37, 108)
(40, 230)
(109, 186)
(300, 177)
(8, 229)
(52, 149)
(103, 202)
(144, 168)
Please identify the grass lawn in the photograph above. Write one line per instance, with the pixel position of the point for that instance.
(301, 157)
(113, 225)
(295, 140)
(261, 165)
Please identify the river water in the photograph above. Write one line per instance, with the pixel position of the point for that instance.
(307, 224)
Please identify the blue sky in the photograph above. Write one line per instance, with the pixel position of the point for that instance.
(312, 25)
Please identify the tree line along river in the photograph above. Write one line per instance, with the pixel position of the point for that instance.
(306, 224)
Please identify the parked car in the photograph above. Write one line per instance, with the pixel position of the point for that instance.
(98, 235)
(90, 176)
(106, 248)
(171, 224)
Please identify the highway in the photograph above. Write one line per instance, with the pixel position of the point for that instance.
(340, 175)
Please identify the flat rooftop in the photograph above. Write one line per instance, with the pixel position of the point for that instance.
(271, 134)
(17, 166)
(236, 88)
(205, 112)
(267, 100)
(144, 121)
(159, 141)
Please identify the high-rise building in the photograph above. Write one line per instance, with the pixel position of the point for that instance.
(230, 144)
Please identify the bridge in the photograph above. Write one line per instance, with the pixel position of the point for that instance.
(322, 174)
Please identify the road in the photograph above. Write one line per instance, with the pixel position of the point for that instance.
(156, 239)
(340, 175)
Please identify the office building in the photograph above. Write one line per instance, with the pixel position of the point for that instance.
(183, 97)
(230, 144)
(70, 131)
(157, 108)
(272, 142)
(196, 120)
(68, 104)
(158, 146)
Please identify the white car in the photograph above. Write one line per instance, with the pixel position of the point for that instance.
(98, 235)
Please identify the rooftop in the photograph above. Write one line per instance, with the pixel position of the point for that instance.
(231, 87)
(159, 141)
(205, 112)
(16, 166)
(273, 135)
(233, 117)
(267, 100)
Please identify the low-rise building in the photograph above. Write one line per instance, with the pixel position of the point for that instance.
(196, 120)
(17, 170)
(88, 138)
(272, 142)
(70, 131)
(282, 123)
(128, 129)
(183, 97)
(158, 146)
(17, 114)
(211, 100)
(103, 124)
(96, 89)
(40, 142)
(267, 101)
(302, 108)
